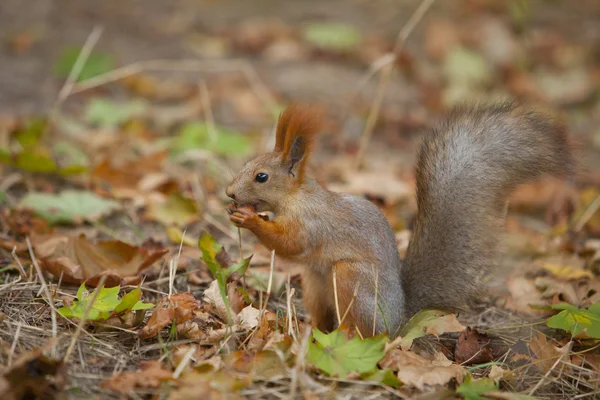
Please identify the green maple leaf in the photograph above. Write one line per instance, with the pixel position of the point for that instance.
(474, 389)
(575, 320)
(337, 355)
(106, 301)
(131, 302)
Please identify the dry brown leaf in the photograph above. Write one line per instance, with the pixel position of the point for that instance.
(472, 348)
(551, 287)
(248, 318)
(497, 373)
(523, 293)
(127, 175)
(545, 352)
(417, 371)
(149, 376)
(79, 259)
(212, 296)
(179, 308)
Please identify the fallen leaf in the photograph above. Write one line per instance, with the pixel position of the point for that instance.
(198, 135)
(266, 364)
(150, 376)
(332, 36)
(579, 322)
(34, 376)
(435, 322)
(524, 294)
(338, 355)
(551, 287)
(69, 206)
(95, 64)
(79, 260)
(107, 302)
(497, 373)
(176, 211)
(212, 296)
(475, 389)
(417, 371)
(248, 318)
(179, 308)
(110, 114)
(472, 348)
(567, 272)
(545, 352)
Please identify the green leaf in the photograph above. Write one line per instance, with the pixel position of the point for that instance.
(33, 161)
(110, 114)
(574, 320)
(68, 206)
(332, 36)
(474, 389)
(240, 267)
(426, 319)
(106, 301)
(30, 135)
(385, 376)
(130, 302)
(196, 135)
(210, 248)
(96, 64)
(337, 355)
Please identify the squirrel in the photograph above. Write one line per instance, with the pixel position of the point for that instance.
(467, 166)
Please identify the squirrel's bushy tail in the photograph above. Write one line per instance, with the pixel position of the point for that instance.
(466, 169)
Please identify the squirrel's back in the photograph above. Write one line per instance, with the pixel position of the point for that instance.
(466, 169)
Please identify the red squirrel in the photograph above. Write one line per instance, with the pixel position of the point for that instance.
(467, 166)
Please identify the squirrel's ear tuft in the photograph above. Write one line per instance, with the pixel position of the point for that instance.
(296, 132)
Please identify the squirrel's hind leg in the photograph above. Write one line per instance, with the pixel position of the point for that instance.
(357, 285)
(316, 290)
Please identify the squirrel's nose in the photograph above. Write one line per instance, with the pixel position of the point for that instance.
(229, 192)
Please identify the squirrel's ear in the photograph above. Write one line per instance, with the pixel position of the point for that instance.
(282, 124)
(296, 132)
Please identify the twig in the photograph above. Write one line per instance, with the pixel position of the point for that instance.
(290, 293)
(185, 65)
(207, 109)
(184, 362)
(13, 347)
(384, 79)
(44, 288)
(83, 319)
(21, 269)
(173, 265)
(376, 294)
(351, 302)
(589, 212)
(335, 296)
(300, 364)
(82, 58)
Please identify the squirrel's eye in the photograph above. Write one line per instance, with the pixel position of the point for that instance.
(261, 177)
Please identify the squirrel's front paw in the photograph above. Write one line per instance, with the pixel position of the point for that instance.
(244, 217)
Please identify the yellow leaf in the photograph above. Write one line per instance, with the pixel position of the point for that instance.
(567, 272)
